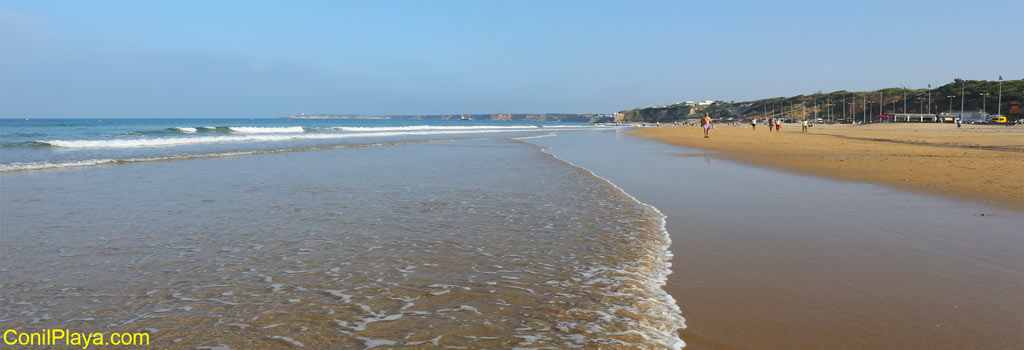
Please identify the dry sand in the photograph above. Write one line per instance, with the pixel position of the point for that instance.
(977, 162)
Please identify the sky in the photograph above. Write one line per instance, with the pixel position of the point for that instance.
(134, 59)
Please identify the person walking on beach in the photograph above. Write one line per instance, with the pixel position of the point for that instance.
(706, 124)
(753, 123)
(771, 124)
(957, 123)
(804, 126)
(778, 125)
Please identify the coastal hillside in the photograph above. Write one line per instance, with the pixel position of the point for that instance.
(856, 103)
(541, 117)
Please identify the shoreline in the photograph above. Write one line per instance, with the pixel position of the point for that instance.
(976, 163)
(660, 277)
(769, 259)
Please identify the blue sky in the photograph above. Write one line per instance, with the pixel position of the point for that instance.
(266, 59)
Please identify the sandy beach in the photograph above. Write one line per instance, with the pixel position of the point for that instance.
(976, 162)
(769, 259)
(803, 270)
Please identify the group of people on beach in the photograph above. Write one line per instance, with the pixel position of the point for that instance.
(773, 123)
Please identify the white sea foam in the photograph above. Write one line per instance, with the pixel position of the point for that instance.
(265, 130)
(654, 279)
(48, 165)
(372, 343)
(185, 130)
(93, 162)
(288, 340)
(182, 141)
(105, 161)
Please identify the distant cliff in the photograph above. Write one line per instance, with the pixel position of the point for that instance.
(857, 103)
(542, 117)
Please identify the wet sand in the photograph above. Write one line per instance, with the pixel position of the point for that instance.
(977, 162)
(765, 259)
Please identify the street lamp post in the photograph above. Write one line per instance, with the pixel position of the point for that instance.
(983, 97)
(844, 107)
(893, 110)
(864, 109)
(882, 103)
(929, 98)
(828, 108)
(999, 109)
(867, 113)
(854, 108)
(963, 88)
(904, 99)
(951, 104)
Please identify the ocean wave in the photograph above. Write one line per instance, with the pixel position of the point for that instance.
(185, 130)
(182, 141)
(265, 130)
(23, 144)
(48, 165)
(109, 161)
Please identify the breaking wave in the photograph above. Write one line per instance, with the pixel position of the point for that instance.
(257, 137)
(112, 161)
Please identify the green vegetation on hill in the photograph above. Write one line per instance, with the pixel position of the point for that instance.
(857, 103)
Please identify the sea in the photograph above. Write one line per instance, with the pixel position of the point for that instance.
(326, 234)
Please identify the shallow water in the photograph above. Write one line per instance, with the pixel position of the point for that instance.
(483, 244)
